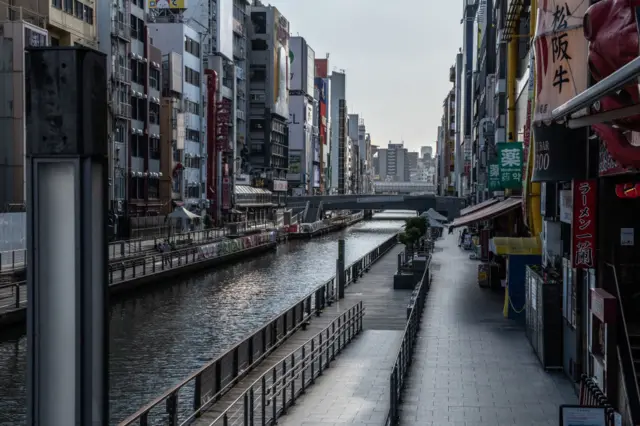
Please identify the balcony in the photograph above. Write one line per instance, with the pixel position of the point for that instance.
(122, 110)
(238, 28)
(122, 74)
(120, 29)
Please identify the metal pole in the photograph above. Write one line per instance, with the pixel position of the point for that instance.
(615, 81)
(340, 272)
(67, 183)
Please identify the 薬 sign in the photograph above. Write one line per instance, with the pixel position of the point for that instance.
(510, 158)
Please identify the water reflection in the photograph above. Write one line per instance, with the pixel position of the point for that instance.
(158, 338)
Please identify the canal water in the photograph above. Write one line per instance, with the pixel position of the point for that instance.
(159, 337)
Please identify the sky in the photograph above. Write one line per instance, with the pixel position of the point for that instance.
(396, 55)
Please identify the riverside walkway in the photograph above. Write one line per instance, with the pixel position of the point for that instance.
(471, 366)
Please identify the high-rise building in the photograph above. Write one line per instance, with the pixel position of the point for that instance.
(269, 96)
(302, 132)
(426, 151)
(19, 29)
(393, 163)
(338, 92)
(322, 83)
(192, 175)
(413, 162)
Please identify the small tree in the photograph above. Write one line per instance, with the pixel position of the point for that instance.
(420, 223)
(208, 222)
(410, 237)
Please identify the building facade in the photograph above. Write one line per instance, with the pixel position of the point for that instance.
(269, 96)
(19, 29)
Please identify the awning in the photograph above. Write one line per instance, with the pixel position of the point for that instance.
(434, 223)
(245, 189)
(432, 214)
(476, 207)
(510, 246)
(490, 212)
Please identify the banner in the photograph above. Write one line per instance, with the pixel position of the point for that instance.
(583, 226)
(494, 176)
(510, 163)
(560, 153)
(560, 55)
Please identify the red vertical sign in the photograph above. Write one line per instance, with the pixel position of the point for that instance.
(583, 227)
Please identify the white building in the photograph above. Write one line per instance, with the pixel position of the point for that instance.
(182, 39)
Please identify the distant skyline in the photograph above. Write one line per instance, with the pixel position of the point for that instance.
(396, 56)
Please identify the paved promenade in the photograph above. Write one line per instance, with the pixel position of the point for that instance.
(472, 366)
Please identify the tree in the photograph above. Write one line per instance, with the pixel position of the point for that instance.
(420, 223)
(208, 222)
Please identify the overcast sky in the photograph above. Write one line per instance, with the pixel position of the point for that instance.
(396, 55)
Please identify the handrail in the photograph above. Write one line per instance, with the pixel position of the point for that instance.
(284, 376)
(626, 355)
(266, 338)
(405, 354)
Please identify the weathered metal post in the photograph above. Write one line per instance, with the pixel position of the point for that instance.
(67, 197)
(340, 269)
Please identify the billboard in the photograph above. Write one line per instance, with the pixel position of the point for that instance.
(321, 84)
(225, 28)
(167, 4)
(322, 67)
(296, 63)
(280, 64)
(310, 70)
(297, 113)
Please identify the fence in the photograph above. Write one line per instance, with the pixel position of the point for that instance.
(217, 377)
(405, 354)
(277, 389)
(592, 396)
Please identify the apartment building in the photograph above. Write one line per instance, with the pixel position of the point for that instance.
(20, 28)
(172, 133)
(393, 163)
(240, 56)
(184, 40)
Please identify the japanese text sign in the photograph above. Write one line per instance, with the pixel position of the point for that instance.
(494, 176)
(510, 163)
(583, 247)
(561, 55)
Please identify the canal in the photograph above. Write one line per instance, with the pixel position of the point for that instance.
(159, 337)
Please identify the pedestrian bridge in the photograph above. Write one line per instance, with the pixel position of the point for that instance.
(402, 187)
(315, 206)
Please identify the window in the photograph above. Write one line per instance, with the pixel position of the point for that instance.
(78, 9)
(136, 145)
(258, 75)
(259, 44)
(88, 15)
(192, 135)
(55, 41)
(259, 21)
(34, 39)
(154, 149)
(256, 125)
(154, 78)
(57, 4)
(137, 28)
(258, 97)
(154, 113)
(153, 186)
(191, 76)
(193, 162)
(192, 46)
(192, 107)
(68, 6)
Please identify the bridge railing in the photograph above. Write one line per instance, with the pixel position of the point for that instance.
(209, 383)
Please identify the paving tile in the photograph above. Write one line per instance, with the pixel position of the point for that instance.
(471, 366)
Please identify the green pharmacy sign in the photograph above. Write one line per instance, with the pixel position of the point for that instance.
(510, 164)
(494, 175)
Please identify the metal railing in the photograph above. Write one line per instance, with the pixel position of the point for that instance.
(276, 390)
(405, 354)
(209, 383)
(13, 295)
(592, 396)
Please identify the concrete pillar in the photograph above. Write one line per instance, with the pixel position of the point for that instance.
(340, 275)
(67, 201)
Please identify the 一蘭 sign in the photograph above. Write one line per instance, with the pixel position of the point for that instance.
(583, 248)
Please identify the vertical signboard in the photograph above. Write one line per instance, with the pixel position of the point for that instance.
(560, 55)
(296, 63)
(310, 70)
(583, 225)
(510, 163)
(494, 175)
(281, 64)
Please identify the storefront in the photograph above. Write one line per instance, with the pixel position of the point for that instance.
(256, 203)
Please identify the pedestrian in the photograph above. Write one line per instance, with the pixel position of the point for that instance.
(165, 254)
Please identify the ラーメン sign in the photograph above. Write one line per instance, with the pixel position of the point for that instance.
(510, 163)
(583, 225)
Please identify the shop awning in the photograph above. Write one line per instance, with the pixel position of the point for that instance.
(431, 213)
(509, 246)
(245, 189)
(476, 207)
(490, 212)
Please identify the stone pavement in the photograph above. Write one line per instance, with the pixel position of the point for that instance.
(472, 366)
(355, 389)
